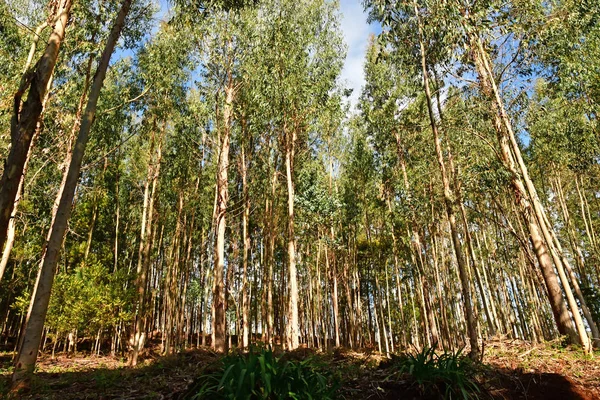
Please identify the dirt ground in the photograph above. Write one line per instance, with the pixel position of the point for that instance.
(510, 370)
(541, 371)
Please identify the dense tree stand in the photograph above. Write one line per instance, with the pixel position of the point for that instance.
(199, 179)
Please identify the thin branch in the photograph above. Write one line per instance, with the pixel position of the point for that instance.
(93, 163)
(128, 101)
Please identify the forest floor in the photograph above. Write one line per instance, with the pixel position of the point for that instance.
(511, 370)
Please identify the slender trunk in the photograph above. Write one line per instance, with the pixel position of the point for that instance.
(522, 195)
(292, 325)
(146, 239)
(397, 273)
(584, 216)
(246, 240)
(469, 241)
(219, 300)
(572, 279)
(95, 200)
(449, 205)
(10, 239)
(334, 296)
(26, 115)
(117, 222)
(578, 254)
(35, 38)
(38, 308)
(271, 261)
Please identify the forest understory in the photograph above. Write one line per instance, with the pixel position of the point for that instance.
(354, 192)
(509, 369)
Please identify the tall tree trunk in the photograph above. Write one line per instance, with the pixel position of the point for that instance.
(270, 257)
(11, 233)
(246, 240)
(146, 240)
(292, 323)
(449, 204)
(524, 195)
(117, 219)
(219, 300)
(38, 308)
(573, 281)
(25, 117)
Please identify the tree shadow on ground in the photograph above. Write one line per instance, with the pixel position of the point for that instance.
(169, 378)
(160, 378)
(517, 385)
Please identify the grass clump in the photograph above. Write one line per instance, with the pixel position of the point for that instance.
(444, 375)
(262, 375)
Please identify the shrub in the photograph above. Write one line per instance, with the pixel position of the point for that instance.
(446, 375)
(262, 375)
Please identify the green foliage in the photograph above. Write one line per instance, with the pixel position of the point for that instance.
(592, 298)
(264, 376)
(88, 299)
(450, 375)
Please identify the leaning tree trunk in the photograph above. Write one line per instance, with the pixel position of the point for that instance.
(38, 307)
(525, 195)
(449, 205)
(12, 225)
(25, 117)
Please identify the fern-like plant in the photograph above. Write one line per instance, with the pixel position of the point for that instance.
(262, 375)
(447, 375)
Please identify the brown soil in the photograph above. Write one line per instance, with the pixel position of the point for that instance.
(511, 370)
(523, 370)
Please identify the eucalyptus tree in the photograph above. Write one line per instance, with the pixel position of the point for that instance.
(25, 362)
(405, 23)
(224, 43)
(388, 107)
(291, 65)
(358, 182)
(470, 47)
(26, 115)
(542, 235)
(164, 65)
(563, 113)
(305, 63)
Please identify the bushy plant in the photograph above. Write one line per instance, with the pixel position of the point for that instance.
(447, 375)
(89, 298)
(262, 375)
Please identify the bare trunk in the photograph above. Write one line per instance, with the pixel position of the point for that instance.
(95, 200)
(292, 323)
(25, 117)
(522, 195)
(117, 222)
(146, 239)
(10, 239)
(449, 205)
(270, 256)
(246, 240)
(219, 300)
(38, 308)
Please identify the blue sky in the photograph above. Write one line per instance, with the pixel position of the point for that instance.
(356, 33)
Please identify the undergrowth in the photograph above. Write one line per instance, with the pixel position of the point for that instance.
(262, 375)
(445, 375)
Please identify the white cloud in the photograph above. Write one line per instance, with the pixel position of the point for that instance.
(356, 33)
